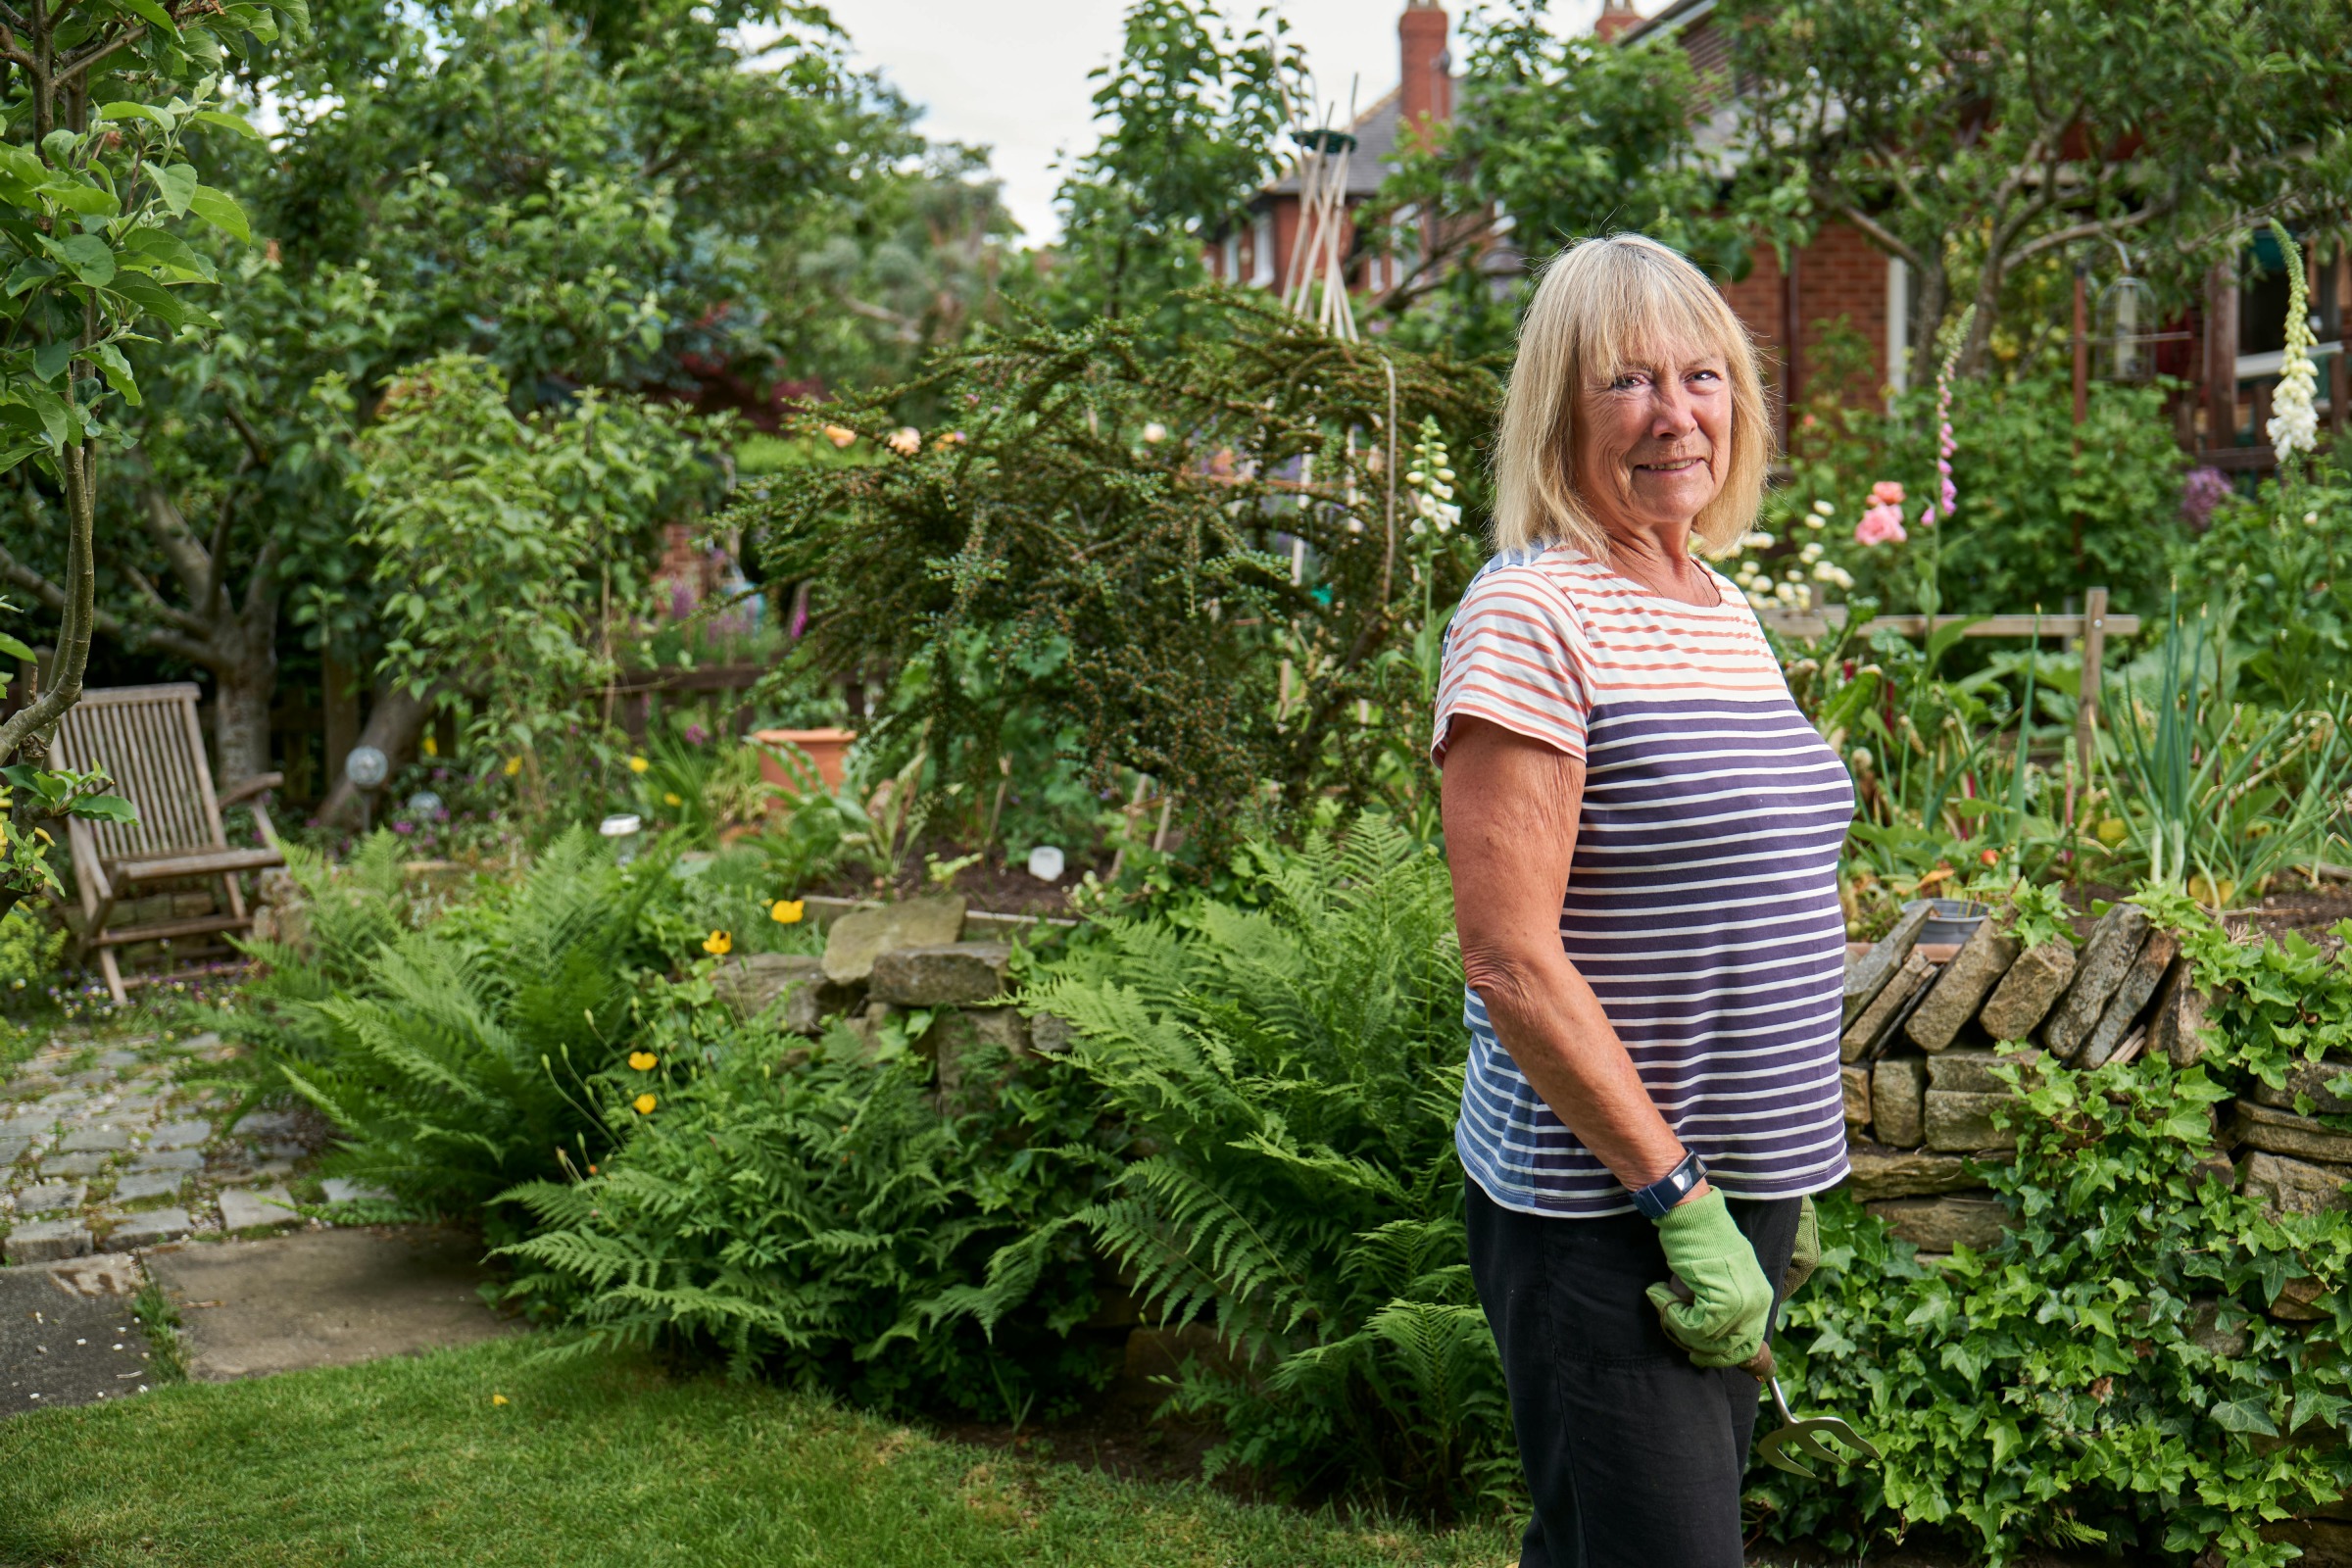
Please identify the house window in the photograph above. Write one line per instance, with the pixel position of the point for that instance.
(1262, 245)
(1229, 269)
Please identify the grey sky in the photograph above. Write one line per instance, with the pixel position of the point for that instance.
(1011, 74)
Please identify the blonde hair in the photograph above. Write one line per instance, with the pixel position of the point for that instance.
(1600, 305)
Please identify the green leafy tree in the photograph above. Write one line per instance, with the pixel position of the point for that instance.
(1984, 143)
(502, 545)
(1189, 115)
(104, 105)
(1554, 138)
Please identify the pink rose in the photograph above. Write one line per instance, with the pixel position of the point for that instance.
(1882, 524)
(1886, 493)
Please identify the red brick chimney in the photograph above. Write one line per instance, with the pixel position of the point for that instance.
(1615, 16)
(1428, 70)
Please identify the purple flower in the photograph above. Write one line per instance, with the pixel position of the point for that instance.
(2201, 491)
(403, 829)
(693, 733)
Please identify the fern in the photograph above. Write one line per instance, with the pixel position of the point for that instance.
(1294, 1071)
(456, 1057)
(827, 1225)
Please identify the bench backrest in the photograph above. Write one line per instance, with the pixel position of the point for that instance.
(148, 740)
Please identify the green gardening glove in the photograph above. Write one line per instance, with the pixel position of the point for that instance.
(1722, 1322)
(1805, 1256)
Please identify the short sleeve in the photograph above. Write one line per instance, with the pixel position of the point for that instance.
(1516, 656)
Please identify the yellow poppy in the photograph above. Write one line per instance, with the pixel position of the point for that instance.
(644, 1061)
(497, 1398)
(719, 943)
(513, 766)
(638, 765)
(644, 1104)
(787, 912)
(673, 798)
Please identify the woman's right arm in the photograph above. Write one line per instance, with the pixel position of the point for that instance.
(1511, 806)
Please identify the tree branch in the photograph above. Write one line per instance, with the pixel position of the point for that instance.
(1876, 232)
(113, 625)
(82, 58)
(163, 608)
(2059, 238)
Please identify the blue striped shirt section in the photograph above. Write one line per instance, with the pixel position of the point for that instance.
(1702, 899)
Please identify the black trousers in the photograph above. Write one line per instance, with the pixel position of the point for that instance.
(1634, 1455)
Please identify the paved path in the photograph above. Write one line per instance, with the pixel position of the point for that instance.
(119, 1165)
(66, 1336)
(323, 1298)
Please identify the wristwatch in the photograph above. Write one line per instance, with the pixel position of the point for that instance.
(1670, 1188)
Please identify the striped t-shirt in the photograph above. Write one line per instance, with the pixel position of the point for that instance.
(1702, 899)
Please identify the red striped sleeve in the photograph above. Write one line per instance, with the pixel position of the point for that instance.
(1516, 654)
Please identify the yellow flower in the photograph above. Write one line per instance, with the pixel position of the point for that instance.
(638, 765)
(787, 912)
(431, 747)
(513, 766)
(719, 943)
(673, 798)
(644, 1104)
(497, 1398)
(840, 435)
(644, 1061)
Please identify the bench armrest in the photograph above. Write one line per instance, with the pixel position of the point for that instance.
(251, 787)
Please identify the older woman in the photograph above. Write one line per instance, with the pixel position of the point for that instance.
(1643, 833)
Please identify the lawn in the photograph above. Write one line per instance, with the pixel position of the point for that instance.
(605, 1460)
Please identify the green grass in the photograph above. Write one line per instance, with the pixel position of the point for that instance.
(602, 1461)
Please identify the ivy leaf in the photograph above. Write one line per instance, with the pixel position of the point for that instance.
(219, 209)
(2243, 1416)
(2311, 1402)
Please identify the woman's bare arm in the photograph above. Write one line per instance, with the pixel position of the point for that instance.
(1511, 806)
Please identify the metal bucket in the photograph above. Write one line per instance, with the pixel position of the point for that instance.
(1949, 920)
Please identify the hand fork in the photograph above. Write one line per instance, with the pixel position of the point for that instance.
(1803, 1435)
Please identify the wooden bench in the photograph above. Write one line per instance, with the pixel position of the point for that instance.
(149, 742)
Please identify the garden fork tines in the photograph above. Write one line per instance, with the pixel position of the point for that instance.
(1804, 1437)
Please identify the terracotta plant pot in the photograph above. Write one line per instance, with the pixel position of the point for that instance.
(828, 748)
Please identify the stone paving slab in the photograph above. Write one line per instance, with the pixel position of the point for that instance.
(48, 1197)
(241, 1208)
(151, 1228)
(142, 1185)
(81, 1165)
(181, 1135)
(67, 1335)
(45, 1241)
(325, 1297)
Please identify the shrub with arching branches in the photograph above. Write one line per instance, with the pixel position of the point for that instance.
(1203, 559)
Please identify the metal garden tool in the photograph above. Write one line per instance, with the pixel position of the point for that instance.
(1804, 1436)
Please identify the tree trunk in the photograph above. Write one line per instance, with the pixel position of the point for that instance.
(241, 697)
(393, 725)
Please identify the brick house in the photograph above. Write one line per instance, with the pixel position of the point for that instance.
(2228, 352)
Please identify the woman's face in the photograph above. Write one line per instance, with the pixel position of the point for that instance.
(1654, 440)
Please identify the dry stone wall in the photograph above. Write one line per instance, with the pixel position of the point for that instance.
(1925, 1031)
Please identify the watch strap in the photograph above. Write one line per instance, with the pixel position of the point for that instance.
(1659, 1197)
